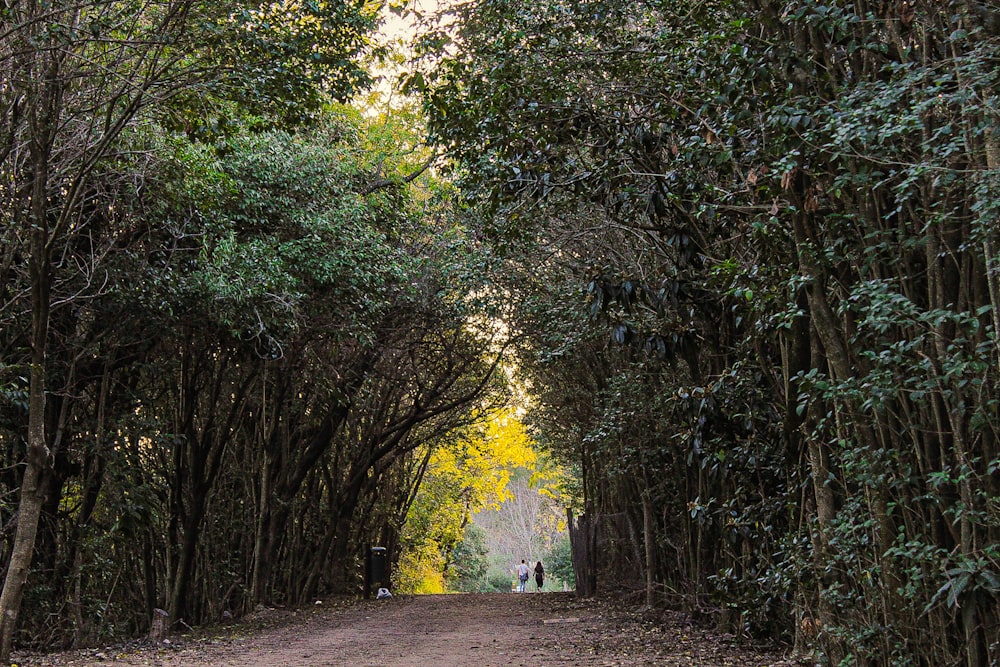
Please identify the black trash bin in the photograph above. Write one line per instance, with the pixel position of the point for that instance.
(380, 567)
(376, 570)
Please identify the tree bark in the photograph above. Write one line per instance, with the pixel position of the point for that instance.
(32, 499)
(647, 536)
(992, 279)
(30, 509)
(261, 539)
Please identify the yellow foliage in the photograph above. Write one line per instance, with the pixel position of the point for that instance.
(420, 571)
(483, 460)
(463, 477)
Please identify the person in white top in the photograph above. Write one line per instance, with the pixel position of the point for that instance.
(522, 576)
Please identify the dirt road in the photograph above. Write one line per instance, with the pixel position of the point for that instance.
(487, 630)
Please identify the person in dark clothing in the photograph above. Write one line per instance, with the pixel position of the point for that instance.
(539, 575)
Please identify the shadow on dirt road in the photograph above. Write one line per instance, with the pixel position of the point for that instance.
(482, 630)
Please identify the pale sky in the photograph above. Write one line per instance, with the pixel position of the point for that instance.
(398, 32)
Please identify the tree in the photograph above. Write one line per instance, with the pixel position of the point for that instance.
(465, 474)
(525, 525)
(559, 561)
(76, 80)
(772, 216)
(351, 356)
(470, 562)
(267, 355)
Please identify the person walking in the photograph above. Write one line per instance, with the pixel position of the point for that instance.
(522, 576)
(539, 575)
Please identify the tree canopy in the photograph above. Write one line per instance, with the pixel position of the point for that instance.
(234, 313)
(753, 248)
(739, 258)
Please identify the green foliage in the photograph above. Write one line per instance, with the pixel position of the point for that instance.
(470, 563)
(463, 477)
(559, 563)
(748, 253)
(761, 294)
(255, 308)
(280, 63)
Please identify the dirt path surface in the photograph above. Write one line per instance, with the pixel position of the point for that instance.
(486, 630)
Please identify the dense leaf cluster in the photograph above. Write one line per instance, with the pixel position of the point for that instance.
(754, 250)
(224, 334)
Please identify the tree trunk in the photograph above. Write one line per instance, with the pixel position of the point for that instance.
(260, 550)
(580, 538)
(32, 499)
(29, 511)
(185, 565)
(647, 535)
(993, 165)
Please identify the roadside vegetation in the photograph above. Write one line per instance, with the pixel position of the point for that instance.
(719, 278)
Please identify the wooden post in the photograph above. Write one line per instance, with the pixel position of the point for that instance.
(580, 538)
(368, 573)
(647, 537)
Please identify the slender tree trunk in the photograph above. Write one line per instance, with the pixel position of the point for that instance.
(827, 349)
(992, 279)
(647, 534)
(580, 534)
(149, 576)
(260, 550)
(185, 563)
(321, 561)
(29, 512)
(955, 411)
(32, 499)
